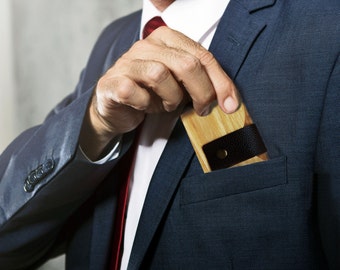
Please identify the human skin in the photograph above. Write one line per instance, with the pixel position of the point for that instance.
(138, 84)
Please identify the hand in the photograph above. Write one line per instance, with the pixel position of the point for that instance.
(157, 74)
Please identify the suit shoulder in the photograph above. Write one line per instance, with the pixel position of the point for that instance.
(321, 6)
(124, 23)
(311, 6)
(319, 15)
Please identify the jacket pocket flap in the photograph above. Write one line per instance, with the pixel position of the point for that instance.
(226, 182)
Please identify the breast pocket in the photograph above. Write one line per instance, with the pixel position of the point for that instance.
(227, 182)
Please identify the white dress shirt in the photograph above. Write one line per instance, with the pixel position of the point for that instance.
(198, 20)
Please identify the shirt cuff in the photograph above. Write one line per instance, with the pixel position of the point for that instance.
(113, 154)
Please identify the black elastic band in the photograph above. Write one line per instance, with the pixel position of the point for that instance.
(234, 147)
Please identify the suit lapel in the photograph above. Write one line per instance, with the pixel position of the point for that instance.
(164, 182)
(236, 32)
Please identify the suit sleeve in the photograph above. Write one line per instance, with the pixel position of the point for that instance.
(328, 171)
(42, 184)
(42, 179)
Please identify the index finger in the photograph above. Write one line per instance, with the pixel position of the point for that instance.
(226, 92)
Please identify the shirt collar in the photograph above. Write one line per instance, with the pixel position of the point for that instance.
(186, 16)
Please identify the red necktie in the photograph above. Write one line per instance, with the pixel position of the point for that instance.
(128, 161)
(151, 25)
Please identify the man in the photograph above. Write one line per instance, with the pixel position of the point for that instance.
(60, 181)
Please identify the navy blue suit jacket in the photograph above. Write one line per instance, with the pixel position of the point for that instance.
(284, 213)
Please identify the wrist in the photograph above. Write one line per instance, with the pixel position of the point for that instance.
(95, 135)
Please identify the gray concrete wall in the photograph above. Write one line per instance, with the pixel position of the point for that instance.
(7, 98)
(48, 42)
(44, 44)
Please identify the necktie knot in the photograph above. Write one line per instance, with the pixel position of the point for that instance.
(153, 24)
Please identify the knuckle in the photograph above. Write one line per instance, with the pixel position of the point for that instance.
(103, 89)
(170, 106)
(189, 64)
(138, 45)
(160, 30)
(205, 99)
(118, 89)
(205, 57)
(158, 73)
(126, 94)
(226, 86)
(124, 88)
(172, 103)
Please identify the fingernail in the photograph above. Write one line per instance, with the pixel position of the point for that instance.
(230, 104)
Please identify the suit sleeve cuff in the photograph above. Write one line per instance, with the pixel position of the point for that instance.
(113, 154)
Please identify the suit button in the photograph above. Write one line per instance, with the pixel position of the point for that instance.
(38, 174)
(28, 187)
(48, 166)
(32, 178)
